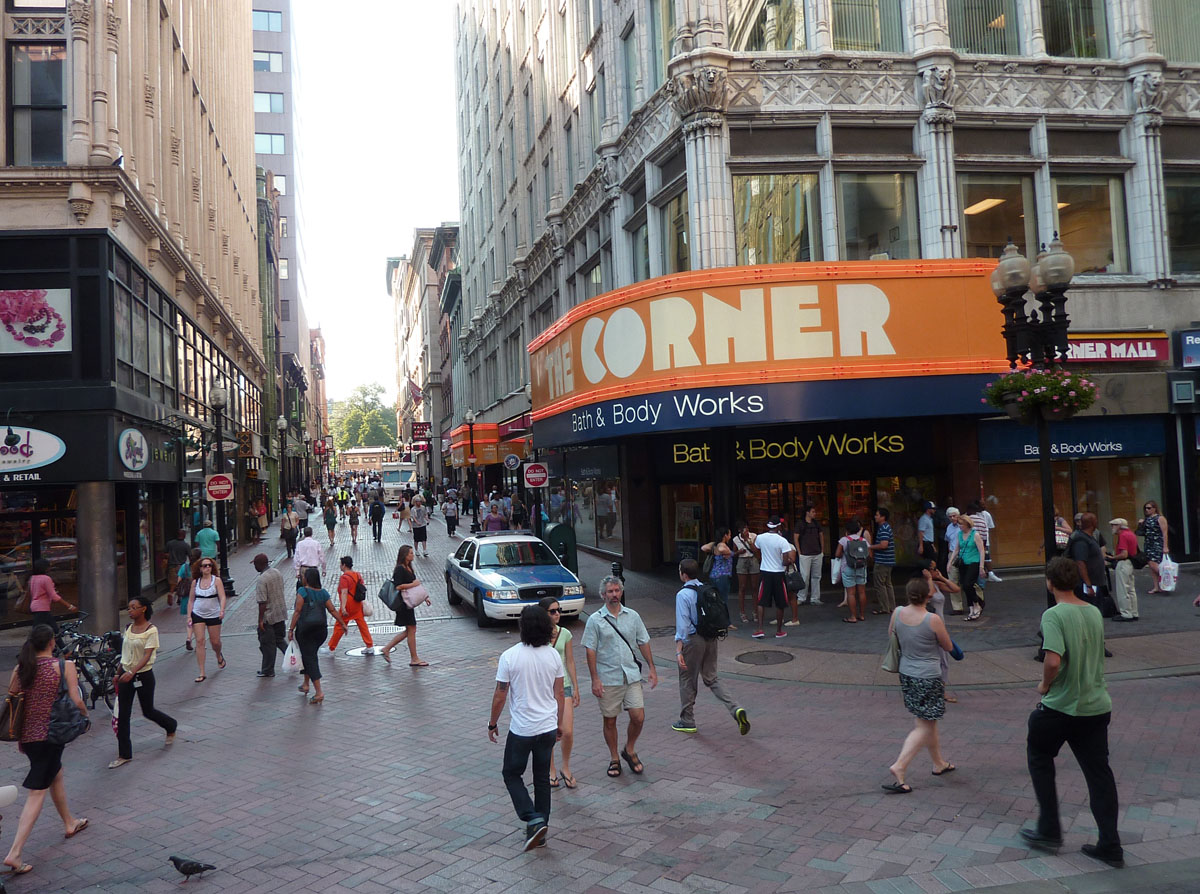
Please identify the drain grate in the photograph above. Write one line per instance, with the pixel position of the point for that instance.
(768, 656)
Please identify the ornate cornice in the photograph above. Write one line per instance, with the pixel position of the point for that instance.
(701, 91)
(37, 26)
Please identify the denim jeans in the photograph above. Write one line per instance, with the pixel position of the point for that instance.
(722, 584)
(516, 758)
(1088, 738)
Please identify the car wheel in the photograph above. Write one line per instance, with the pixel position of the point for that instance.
(451, 597)
(481, 617)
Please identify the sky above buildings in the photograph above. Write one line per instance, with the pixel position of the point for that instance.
(377, 159)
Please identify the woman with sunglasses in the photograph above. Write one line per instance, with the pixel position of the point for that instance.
(1154, 529)
(138, 650)
(560, 638)
(206, 611)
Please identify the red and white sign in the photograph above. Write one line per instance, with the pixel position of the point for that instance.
(536, 474)
(1119, 347)
(219, 487)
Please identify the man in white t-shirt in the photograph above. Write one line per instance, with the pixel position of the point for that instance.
(774, 553)
(530, 677)
(987, 545)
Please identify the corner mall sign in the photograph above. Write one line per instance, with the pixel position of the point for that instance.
(750, 345)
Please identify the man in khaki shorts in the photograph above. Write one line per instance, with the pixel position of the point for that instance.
(612, 638)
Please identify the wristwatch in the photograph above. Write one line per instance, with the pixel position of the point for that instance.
(492, 726)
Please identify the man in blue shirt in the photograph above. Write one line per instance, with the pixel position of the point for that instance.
(926, 540)
(697, 656)
(884, 550)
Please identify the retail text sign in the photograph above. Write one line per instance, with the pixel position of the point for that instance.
(25, 449)
(1119, 347)
(1090, 437)
(1189, 349)
(744, 326)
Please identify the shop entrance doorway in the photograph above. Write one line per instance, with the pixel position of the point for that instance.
(687, 519)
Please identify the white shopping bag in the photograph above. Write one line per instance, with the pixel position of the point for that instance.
(291, 659)
(1168, 574)
(835, 570)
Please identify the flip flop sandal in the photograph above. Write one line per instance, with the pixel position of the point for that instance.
(199, 679)
(849, 621)
(24, 868)
(949, 768)
(83, 824)
(220, 660)
(553, 782)
(635, 763)
(569, 781)
(897, 788)
(614, 769)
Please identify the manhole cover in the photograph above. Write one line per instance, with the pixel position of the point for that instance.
(769, 656)
(364, 652)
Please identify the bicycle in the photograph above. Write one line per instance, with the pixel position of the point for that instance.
(97, 659)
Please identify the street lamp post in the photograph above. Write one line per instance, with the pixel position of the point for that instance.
(1038, 338)
(218, 399)
(281, 426)
(469, 417)
(307, 469)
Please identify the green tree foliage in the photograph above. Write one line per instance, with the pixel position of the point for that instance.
(362, 419)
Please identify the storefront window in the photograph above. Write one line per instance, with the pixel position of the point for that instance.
(904, 498)
(641, 253)
(37, 524)
(996, 207)
(1090, 219)
(1075, 28)
(1117, 488)
(778, 218)
(878, 219)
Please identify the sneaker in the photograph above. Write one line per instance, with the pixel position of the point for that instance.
(535, 835)
(680, 727)
(791, 623)
(743, 721)
(1114, 858)
(188, 645)
(780, 634)
(758, 635)
(994, 578)
(265, 674)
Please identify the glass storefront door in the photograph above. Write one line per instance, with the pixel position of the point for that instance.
(904, 497)
(853, 502)
(687, 514)
(37, 524)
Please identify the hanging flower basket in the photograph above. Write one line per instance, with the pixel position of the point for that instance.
(1052, 393)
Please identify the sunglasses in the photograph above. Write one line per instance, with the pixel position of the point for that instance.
(202, 567)
(552, 611)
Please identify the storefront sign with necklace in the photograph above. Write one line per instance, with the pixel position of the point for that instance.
(27, 316)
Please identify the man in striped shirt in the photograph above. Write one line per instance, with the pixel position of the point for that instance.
(884, 551)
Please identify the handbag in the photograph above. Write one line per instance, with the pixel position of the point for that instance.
(12, 717)
(414, 596)
(22, 604)
(891, 657)
(313, 613)
(367, 610)
(67, 722)
(387, 594)
(706, 569)
(793, 579)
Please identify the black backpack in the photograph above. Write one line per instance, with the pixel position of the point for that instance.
(360, 590)
(712, 614)
(856, 552)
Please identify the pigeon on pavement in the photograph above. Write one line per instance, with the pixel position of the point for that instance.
(188, 868)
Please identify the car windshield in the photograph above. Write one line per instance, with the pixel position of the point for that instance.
(526, 552)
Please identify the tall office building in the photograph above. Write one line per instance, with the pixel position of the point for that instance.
(685, 160)
(275, 117)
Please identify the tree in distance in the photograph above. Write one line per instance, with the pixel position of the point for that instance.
(362, 419)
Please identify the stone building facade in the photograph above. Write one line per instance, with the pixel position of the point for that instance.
(606, 144)
(128, 239)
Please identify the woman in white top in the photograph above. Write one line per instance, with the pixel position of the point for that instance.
(206, 611)
(138, 650)
(745, 564)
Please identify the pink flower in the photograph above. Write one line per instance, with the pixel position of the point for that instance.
(1070, 393)
(1056, 397)
(1020, 400)
(983, 400)
(1024, 394)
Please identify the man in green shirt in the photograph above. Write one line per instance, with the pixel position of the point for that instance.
(206, 541)
(1075, 709)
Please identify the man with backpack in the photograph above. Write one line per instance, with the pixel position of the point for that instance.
(701, 619)
(376, 515)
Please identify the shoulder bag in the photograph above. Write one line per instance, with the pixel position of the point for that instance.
(414, 596)
(12, 717)
(67, 722)
(313, 612)
(706, 568)
(891, 658)
(632, 650)
(793, 579)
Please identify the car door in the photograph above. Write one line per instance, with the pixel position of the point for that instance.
(466, 576)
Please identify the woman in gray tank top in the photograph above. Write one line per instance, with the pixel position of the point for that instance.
(923, 638)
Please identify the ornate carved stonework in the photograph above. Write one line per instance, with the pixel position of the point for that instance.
(148, 96)
(195, 187)
(116, 212)
(610, 169)
(1148, 91)
(224, 235)
(697, 92)
(937, 86)
(1027, 92)
(1181, 98)
(653, 123)
(708, 121)
(113, 24)
(884, 64)
(558, 243)
(212, 217)
(80, 14)
(81, 208)
(854, 64)
(37, 26)
(176, 145)
(787, 90)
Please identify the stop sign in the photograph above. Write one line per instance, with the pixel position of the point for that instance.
(536, 474)
(219, 486)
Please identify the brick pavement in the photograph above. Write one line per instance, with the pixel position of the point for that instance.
(392, 786)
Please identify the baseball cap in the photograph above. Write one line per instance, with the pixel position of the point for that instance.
(773, 521)
(929, 505)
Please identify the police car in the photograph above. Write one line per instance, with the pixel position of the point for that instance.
(501, 572)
